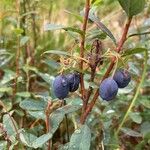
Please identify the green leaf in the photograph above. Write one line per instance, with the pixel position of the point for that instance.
(3, 145)
(27, 138)
(24, 40)
(46, 77)
(8, 76)
(41, 140)
(23, 94)
(64, 147)
(56, 118)
(68, 108)
(57, 52)
(145, 102)
(96, 2)
(49, 27)
(132, 7)
(18, 31)
(133, 51)
(74, 101)
(52, 64)
(9, 123)
(101, 26)
(6, 89)
(31, 140)
(145, 128)
(95, 34)
(73, 30)
(58, 115)
(131, 132)
(78, 17)
(136, 117)
(31, 104)
(80, 139)
(37, 114)
(5, 57)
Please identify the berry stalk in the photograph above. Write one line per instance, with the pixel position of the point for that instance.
(118, 49)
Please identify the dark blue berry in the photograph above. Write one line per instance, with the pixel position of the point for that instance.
(108, 89)
(122, 77)
(74, 81)
(61, 87)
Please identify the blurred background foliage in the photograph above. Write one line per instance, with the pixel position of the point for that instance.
(26, 74)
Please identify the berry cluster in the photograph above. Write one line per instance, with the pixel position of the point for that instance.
(109, 87)
(63, 84)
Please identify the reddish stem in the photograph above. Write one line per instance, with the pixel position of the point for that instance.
(82, 45)
(118, 49)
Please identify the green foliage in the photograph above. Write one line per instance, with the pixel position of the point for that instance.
(132, 7)
(42, 39)
(80, 139)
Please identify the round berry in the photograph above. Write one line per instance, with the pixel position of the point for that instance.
(108, 89)
(61, 87)
(74, 81)
(122, 77)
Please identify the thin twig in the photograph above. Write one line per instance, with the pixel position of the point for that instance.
(82, 45)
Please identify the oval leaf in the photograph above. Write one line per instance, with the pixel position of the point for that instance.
(80, 139)
(30, 104)
(132, 7)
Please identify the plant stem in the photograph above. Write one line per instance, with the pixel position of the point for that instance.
(135, 96)
(67, 124)
(48, 125)
(18, 52)
(98, 48)
(124, 35)
(82, 45)
(118, 49)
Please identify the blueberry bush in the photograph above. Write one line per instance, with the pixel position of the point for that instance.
(74, 75)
